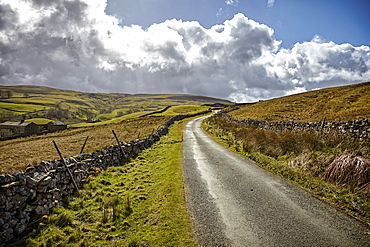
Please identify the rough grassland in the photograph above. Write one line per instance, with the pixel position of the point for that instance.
(339, 103)
(139, 204)
(301, 157)
(18, 153)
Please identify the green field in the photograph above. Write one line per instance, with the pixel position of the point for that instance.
(75, 108)
(33, 100)
(23, 108)
(182, 109)
(39, 120)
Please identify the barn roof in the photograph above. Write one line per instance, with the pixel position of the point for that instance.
(57, 123)
(9, 123)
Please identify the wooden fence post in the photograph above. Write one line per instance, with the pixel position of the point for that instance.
(65, 164)
(83, 146)
(119, 144)
(323, 123)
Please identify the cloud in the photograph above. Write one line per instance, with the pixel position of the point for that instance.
(220, 12)
(270, 3)
(74, 45)
(320, 64)
(232, 2)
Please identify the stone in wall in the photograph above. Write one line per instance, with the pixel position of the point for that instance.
(357, 129)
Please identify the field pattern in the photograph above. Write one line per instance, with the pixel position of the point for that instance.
(71, 107)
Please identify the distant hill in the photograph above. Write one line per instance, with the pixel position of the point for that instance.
(338, 103)
(73, 107)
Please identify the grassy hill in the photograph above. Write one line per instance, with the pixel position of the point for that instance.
(304, 157)
(339, 103)
(74, 107)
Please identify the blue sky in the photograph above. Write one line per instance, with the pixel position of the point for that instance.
(241, 50)
(341, 21)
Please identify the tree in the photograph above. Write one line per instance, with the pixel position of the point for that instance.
(5, 94)
(9, 94)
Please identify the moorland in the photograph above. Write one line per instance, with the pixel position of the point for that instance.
(150, 188)
(331, 165)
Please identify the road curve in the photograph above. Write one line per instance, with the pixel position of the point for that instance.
(233, 202)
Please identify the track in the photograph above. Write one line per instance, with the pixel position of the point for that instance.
(235, 203)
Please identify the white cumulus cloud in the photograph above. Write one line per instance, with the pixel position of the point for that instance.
(270, 3)
(74, 44)
(232, 2)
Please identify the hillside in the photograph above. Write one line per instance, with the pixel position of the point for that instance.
(74, 107)
(339, 103)
(327, 163)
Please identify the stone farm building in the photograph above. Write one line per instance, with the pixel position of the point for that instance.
(10, 129)
(56, 126)
(13, 129)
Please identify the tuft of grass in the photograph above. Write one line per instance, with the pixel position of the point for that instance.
(61, 218)
(349, 169)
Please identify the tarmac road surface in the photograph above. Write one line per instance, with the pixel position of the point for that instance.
(233, 202)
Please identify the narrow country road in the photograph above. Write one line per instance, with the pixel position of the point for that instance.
(235, 203)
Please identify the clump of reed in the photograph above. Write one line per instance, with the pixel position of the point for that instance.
(349, 169)
(116, 207)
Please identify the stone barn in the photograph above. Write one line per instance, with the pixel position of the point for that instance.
(56, 126)
(11, 129)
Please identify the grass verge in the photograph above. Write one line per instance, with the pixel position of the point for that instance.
(139, 204)
(301, 158)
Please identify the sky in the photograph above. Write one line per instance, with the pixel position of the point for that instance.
(241, 50)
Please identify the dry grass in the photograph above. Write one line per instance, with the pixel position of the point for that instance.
(18, 153)
(306, 158)
(279, 143)
(340, 103)
(349, 169)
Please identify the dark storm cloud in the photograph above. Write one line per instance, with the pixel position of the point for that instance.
(7, 17)
(74, 44)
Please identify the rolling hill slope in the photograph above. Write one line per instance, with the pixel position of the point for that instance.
(339, 103)
(74, 107)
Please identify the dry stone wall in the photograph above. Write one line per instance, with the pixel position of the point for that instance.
(358, 129)
(26, 197)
